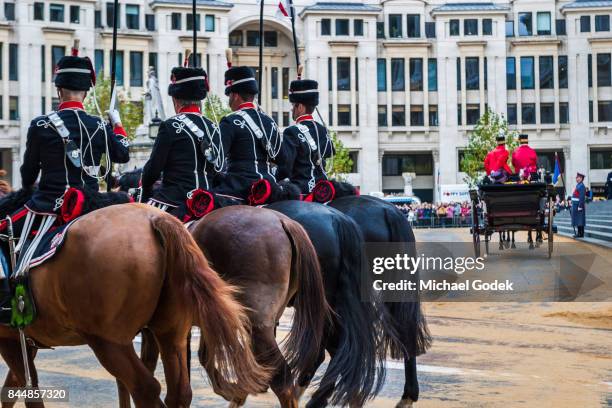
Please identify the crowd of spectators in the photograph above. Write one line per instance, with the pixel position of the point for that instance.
(428, 215)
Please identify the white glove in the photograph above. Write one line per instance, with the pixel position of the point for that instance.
(114, 117)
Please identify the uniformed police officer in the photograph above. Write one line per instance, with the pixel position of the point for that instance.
(578, 206)
(185, 151)
(307, 143)
(65, 148)
(250, 138)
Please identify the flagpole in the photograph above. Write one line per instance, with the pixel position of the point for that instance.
(195, 35)
(113, 73)
(295, 44)
(261, 40)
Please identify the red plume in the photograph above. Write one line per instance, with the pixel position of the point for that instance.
(74, 51)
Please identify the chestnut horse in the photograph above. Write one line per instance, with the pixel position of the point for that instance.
(272, 261)
(125, 267)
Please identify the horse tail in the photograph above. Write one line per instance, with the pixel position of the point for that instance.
(304, 343)
(405, 332)
(224, 325)
(357, 369)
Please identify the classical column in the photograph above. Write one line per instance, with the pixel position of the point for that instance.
(567, 170)
(436, 160)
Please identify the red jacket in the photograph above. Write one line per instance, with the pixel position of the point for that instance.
(497, 159)
(524, 157)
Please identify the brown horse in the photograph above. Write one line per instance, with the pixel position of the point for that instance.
(123, 268)
(271, 259)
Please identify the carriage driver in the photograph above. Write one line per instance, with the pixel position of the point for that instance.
(306, 144)
(525, 159)
(65, 147)
(496, 161)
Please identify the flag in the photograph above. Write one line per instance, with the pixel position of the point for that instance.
(283, 9)
(557, 172)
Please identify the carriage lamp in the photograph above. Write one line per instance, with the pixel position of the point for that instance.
(154, 126)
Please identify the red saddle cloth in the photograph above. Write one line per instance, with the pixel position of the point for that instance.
(198, 205)
(261, 190)
(327, 190)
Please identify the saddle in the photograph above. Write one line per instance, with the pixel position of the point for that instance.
(327, 190)
(264, 192)
(201, 202)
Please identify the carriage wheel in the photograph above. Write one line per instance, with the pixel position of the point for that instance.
(476, 240)
(550, 228)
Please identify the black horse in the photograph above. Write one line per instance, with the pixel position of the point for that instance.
(381, 221)
(352, 339)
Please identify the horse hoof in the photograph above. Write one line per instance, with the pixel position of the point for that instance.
(531, 246)
(404, 403)
(513, 246)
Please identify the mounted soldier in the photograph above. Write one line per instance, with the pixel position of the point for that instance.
(65, 148)
(307, 143)
(578, 206)
(186, 151)
(496, 161)
(525, 159)
(250, 138)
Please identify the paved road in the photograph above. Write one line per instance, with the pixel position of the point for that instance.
(530, 354)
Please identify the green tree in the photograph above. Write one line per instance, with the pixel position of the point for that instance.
(131, 112)
(342, 162)
(481, 141)
(214, 108)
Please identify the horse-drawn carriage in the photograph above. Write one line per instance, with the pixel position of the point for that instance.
(509, 208)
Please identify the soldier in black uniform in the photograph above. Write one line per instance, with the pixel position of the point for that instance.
(251, 140)
(306, 144)
(185, 153)
(65, 148)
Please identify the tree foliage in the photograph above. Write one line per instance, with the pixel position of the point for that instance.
(214, 109)
(131, 111)
(342, 162)
(481, 141)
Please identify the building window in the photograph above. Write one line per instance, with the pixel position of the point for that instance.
(235, 38)
(13, 61)
(354, 156)
(416, 74)
(43, 66)
(330, 114)
(343, 72)
(358, 27)
(527, 73)
(39, 11)
(602, 23)
(562, 61)
(270, 39)
(330, 81)
(398, 115)
(342, 26)
(510, 73)
(395, 165)
(560, 27)
(176, 21)
(430, 29)
(547, 113)
(380, 29)
(189, 22)
(110, 15)
(153, 61)
(546, 72)
(344, 115)
(585, 24)
(326, 26)
(395, 25)
(472, 113)
(472, 77)
(209, 23)
(433, 115)
(97, 18)
(413, 28)
(381, 74)
(511, 108)
(252, 38)
(590, 70)
(528, 115)
(397, 74)
(603, 70)
(525, 24)
(459, 115)
(9, 11)
(563, 112)
(485, 68)
(510, 28)
(470, 26)
(382, 115)
(13, 108)
(591, 111)
(99, 61)
(543, 22)
(601, 159)
(56, 12)
(150, 22)
(285, 119)
(57, 52)
(416, 115)
(432, 74)
(274, 75)
(454, 27)
(132, 16)
(487, 26)
(458, 69)
(604, 111)
(285, 82)
(136, 68)
(119, 68)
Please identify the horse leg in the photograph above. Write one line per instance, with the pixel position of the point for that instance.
(174, 357)
(513, 244)
(326, 388)
(501, 241)
(149, 351)
(11, 353)
(411, 386)
(123, 363)
(530, 240)
(306, 377)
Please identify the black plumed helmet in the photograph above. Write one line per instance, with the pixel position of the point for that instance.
(240, 80)
(304, 91)
(189, 84)
(74, 73)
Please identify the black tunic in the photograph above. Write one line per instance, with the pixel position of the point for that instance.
(247, 158)
(45, 154)
(177, 152)
(299, 162)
